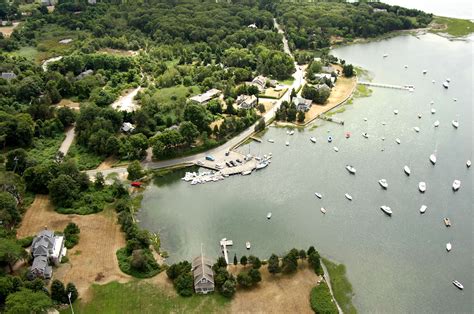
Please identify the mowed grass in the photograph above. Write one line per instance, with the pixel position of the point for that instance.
(27, 52)
(142, 297)
(341, 286)
(455, 27)
(171, 94)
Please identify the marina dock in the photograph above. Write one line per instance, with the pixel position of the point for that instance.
(404, 87)
(224, 244)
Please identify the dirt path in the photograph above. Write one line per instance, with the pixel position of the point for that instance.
(8, 30)
(277, 294)
(126, 102)
(93, 260)
(66, 144)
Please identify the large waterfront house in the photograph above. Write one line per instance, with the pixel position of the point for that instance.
(246, 101)
(204, 98)
(203, 275)
(260, 82)
(302, 104)
(46, 249)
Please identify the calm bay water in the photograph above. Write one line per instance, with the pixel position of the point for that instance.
(396, 264)
(463, 9)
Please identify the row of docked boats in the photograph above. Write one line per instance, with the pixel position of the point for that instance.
(202, 177)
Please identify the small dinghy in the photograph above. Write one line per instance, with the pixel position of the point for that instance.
(269, 215)
(455, 124)
(455, 99)
(422, 187)
(468, 164)
(287, 143)
(329, 139)
(447, 222)
(323, 210)
(387, 210)
(397, 140)
(436, 123)
(271, 141)
(448, 246)
(365, 135)
(433, 110)
(406, 66)
(247, 245)
(419, 116)
(313, 139)
(456, 185)
(425, 71)
(458, 284)
(348, 196)
(348, 134)
(383, 183)
(365, 119)
(395, 112)
(433, 159)
(407, 170)
(318, 195)
(336, 149)
(417, 129)
(351, 169)
(433, 81)
(291, 132)
(446, 85)
(423, 209)
(384, 123)
(448, 80)
(431, 102)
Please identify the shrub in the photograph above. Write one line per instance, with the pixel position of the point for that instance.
(142, 265)
(321, 299)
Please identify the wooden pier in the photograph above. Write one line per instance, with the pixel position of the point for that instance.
(404, 87)
(224, 244)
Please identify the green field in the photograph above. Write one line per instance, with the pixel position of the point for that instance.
(341, 286)
(455, 27)
(27, 52)
(141, 297)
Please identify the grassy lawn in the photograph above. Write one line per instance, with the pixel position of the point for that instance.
(171, 94)
(141, 297)
(341, 286)
(27, 52)
(287, 81)
(454, 27)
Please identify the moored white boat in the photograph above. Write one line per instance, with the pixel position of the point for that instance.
(348, 196)
(407, 170)
(456, 185)
(445, 84)
(351, 169)
(433, 159)
(455, 124)
(271, 140)
(329, 139)
(422, 187)
(383, 183)
(436, 123)
(397, 140)
(247, 245)
(468, 163)
(365, 135)
(433, 110)
(447, 222)
(419, 116)
(395, 112)
(336, 149)
(318, 195)
(387, 210)
(417, 129)
(291, 132)
(448, 246)
(423, 209)
(313, 139)
(246, 173)
(269, 215)
(261, 165)
(458, 284)
(365, 119)
(425, 71)
(287, 143)
(323, 210)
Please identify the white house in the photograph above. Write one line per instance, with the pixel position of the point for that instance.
(302, 104)
(246, 101)
(260, 81)
(204, 98)
(325, 76)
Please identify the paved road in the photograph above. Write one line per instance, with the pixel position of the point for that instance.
(66, 144)
(298, 81)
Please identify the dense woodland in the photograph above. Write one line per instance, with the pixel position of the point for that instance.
(180, 49)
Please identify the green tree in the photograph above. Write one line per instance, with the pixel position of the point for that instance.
(99, 181)
(66, 116)
(58, 292)
(17, 161)
(315, 261)
(198, 116)
(302, 254)
(274, 264)
(184, 284)
(260, 126)
(290, 261)
(244, 279)
(63, 190)
(348, 70)
(188, 131)
(235, 260)
(27, 301)
(72, 291)
(300, 116)
(135, 170)
(11, 252)
(243, 260)
(228, 288)
(9, 214)
(158, 149)
(255, 275)
(254, 261)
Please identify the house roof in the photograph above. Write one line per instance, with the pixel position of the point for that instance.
(302, 101)
(202, 268)
(201, 98)
(127, 127)
(39, 263)
(8, 75)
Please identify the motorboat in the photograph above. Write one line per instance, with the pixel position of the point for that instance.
(247, 245)
(445, 84)
(387, 210)
(261, 165)
(348, 134)
(417, 129)
(448, 246)
(458, 284)
(433, 110)
(433, 158)
(456, 185)
(287, 143)
(313, 139)
(271, 140)
(422, 187)
(407, 170)
(419, 116)
(323, 210)
(455, 123)
(351, 169)
(436, 123)
(365, 135)
(382, 138)
(431, 102)
(448, 80)
(291, 132)
(384, 123)
(329, 139)
(397, 140)
(385, 55)
(348, 196)
(425, 71)
(433, 81)
(365, 119)
(447, 222)
(246, 173)
(406, 66)
(455, 99)
(468, 164)
(336, 149)
(383, 183)
(395, 112)
(423, 209)
(318, 195)
(269, 215)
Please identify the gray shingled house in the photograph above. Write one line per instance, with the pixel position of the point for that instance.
(203, 275)
(40, 268)
(46, 248)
